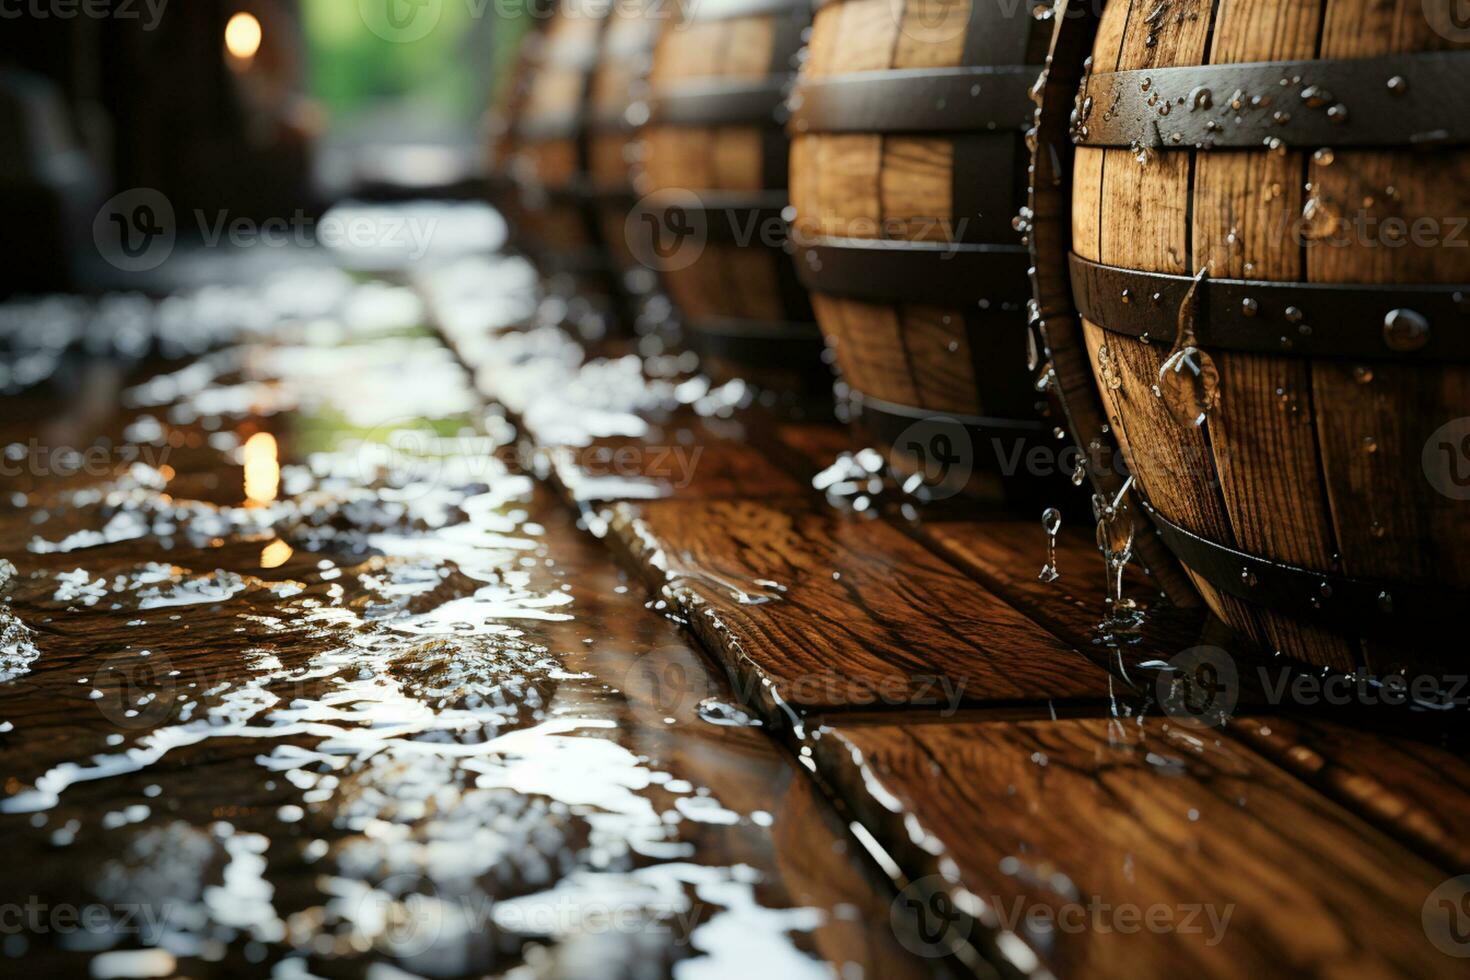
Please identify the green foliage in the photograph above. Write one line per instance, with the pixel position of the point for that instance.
(448, 73)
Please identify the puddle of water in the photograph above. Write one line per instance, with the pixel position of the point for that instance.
(325, 682)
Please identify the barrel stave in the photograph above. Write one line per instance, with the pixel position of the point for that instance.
(1313, 462)
(740, 301)
(919, 354)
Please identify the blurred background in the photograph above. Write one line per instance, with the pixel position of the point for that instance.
(126, 123)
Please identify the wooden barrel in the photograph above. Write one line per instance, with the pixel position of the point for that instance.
(908, 167)
(619, 91)
(501, 187)
(552, 155)
(1294, 423)
(715, 166)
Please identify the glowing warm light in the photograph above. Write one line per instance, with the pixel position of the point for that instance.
(262, 470)
(275, 554)
(242, 36)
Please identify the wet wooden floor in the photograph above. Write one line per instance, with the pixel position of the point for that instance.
(385, 638)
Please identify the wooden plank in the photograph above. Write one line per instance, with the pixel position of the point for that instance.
(1117, 848)
(822, 610)
(1415, 790)
(1007, 555)
(688, 457)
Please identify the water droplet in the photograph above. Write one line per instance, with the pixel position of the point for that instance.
(1189, 383)
(1362, 374)
(1370, 445)
(1324, 157)
(1051, 523)
(1316, 96)
(1319, 219)
(1249, 307)
(1200, 98)
(1115, 531)
(1398, 85)
(1248, 577)
(1107, 370)
(1294, 315)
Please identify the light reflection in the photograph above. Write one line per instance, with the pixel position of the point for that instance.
(262, 469)
(242, 36)
(275, 554)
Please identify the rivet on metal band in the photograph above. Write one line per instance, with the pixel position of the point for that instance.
(1352, 321)
(1339, 603)
(1402, 100)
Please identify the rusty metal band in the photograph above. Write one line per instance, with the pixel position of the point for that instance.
(547, 126)
(575, 192)
(619, 196)
(1310, 319)
(1357, 607)
(712, 10)
(721, 217)
(918, 100)
(613, 119)
(907, 415)
(1400, 100)
(998, 446)
(761, 343)
(933, 273)
(718, 102)
(1053, 313)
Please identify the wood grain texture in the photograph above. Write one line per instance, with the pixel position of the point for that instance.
(618, 81)
(748, 281)
(685, 456)
(549, 169)
(1414, 789)
(1007, 555)
(839, 612)
(903, 187)
(1055, 818)
(1312, 462)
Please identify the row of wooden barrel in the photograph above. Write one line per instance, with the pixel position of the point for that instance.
(1225, 244)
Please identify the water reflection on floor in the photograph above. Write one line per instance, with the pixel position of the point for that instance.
(299, 675)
